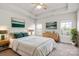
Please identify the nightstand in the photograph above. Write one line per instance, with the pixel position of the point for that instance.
(4, 44)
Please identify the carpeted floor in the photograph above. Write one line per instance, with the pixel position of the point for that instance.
(65, 50)
(61, 50)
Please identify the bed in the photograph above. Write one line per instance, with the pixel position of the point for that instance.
(32, 45)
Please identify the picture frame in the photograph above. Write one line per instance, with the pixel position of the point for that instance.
(51, 25)
(17, 23)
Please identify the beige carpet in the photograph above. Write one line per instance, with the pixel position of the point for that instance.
(65, 50)
(61, 50)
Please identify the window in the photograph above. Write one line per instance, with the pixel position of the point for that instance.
(65, 27)
(39, 29)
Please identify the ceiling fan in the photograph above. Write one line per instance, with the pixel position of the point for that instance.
(40, 5)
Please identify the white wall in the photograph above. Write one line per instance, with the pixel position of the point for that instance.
(78, 25)
(78, 20)
(5, 20)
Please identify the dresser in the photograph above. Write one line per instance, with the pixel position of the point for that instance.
(4, 42)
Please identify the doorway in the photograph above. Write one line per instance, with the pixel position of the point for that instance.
(65, 27)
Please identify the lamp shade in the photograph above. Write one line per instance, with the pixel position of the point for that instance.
(30, 30)
(3, 27)
(3, 31)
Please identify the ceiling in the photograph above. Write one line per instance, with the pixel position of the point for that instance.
(29, 7)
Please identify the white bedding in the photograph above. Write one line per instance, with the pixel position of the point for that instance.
(33, 45)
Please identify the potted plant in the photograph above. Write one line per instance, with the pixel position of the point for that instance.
(2, 37)
(74, 35)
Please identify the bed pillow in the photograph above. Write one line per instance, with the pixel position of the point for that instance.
(16, 35)
(19, 35)
(25, 34)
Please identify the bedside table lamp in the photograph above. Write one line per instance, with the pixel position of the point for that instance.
(3, 32)
(30, 31)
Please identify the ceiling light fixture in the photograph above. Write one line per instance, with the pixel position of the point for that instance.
(40, 5)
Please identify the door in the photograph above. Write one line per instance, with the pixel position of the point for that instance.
(65, 27)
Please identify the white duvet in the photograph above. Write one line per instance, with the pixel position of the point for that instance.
(33, 45)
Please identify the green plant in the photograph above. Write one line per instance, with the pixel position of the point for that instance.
(2, 37)
(74, 34)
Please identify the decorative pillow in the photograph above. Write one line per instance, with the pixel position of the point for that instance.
(25, 34)
(19, 35)
(16, 35)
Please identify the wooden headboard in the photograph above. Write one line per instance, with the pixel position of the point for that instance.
(52, 35)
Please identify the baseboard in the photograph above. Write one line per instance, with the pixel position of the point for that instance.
(66, 43)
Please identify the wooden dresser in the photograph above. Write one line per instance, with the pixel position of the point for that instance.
(4, 42)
